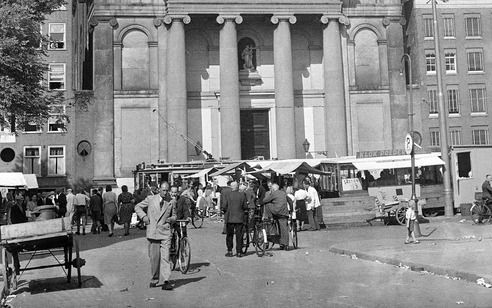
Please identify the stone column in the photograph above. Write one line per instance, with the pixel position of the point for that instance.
(104, 103)
(230, 128)
(284, 86)
(162, 76)
(334, 86)
(153, 65)
(118, 46)
(177, 109)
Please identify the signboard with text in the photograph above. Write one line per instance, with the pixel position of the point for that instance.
(351, 184)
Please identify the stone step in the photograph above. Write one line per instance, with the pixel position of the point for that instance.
(347, 208)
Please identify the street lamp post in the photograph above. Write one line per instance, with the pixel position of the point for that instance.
(443, 126)
(410, 120)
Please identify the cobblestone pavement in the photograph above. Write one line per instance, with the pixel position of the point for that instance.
(117, 275)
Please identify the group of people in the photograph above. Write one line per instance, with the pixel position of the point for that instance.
(303, 204)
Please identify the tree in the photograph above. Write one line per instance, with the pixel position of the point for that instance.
(24, 96)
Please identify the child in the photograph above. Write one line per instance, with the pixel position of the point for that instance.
(410, 220)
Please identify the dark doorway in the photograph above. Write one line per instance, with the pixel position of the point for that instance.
(255, 137)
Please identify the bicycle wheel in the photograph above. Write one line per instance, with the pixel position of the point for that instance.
(173, 251)
(293, 234)
(197, 218)
(480, 213)
(260, 240)
(245, 247)
(184, 255)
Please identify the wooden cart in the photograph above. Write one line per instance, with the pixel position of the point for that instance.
(36, 239)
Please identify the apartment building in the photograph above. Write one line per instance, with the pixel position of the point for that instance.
(466, 38)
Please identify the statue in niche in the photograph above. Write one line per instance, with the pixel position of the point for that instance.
(247, 55)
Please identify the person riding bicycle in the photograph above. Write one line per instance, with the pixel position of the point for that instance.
(276, 206)
(487, 190)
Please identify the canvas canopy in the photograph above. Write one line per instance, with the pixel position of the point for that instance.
(201, 173)
(231, 169)
(289, 167)
(18, 180)
(394, 162)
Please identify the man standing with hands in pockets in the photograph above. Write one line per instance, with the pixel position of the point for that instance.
(161, 214)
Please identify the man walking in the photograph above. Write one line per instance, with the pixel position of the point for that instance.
(312, 202)
(81, 202)
(276, 206)
(234, 207)
(62, 203)
(161, 214)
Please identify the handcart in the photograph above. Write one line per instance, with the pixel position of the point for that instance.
(37, 238)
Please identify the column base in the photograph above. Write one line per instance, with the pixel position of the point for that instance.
(102, 182)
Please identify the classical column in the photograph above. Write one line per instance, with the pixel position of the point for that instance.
(177, 110)
(104, 103)
(153, 65)
(117, 48)
(284, 86)
(335, 119)
(162, 76)
(230, 127)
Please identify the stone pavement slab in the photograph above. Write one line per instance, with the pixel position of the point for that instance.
(452, 247)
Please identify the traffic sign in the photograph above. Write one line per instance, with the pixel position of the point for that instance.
(408, 144)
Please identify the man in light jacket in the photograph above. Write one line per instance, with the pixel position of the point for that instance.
(312, 202)
(160, 215)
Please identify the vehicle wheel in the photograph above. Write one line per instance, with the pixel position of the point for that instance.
(184, 255)
(173, 254)
(477, 211)
(400, 215)
(197, 218)
(260, 241)
(293, 235)
(6, 273)
(486, 215)
(245, 242)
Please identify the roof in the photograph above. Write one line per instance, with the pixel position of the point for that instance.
(231, 169)
(18, 179)
(292, 166)
(392, 162)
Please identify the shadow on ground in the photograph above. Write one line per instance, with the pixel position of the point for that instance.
(196, 267)
(181, 282)
(56, 284)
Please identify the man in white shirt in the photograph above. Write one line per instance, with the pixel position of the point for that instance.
(70, 197)
(312, 202)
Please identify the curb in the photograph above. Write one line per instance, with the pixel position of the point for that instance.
(416, 267)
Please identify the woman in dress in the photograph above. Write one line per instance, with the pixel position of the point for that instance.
(126, 204)
(110, 208)
(300, 200)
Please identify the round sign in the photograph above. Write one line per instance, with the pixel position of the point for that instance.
(408, 144)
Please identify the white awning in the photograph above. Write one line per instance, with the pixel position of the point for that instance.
(12, 179)
(201, 173)
(31, 180)
(393, 162)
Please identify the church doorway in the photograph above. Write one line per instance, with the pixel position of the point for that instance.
(255, 136)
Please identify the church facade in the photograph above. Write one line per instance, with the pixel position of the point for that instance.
(241, 79)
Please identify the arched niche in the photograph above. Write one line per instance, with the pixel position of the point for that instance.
(135, 61)
(367, 71)
(247, 54)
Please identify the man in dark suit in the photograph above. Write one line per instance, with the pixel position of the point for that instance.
(62, 203)
(234, 207)
(487, 189)
(223, 195)
(276, 207)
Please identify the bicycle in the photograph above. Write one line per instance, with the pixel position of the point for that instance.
(292, 222)
(180, 250)
(480, 212)
(197, 216)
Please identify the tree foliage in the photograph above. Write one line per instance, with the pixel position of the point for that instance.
(24, 95)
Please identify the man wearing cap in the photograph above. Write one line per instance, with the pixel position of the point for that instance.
(276, 207)
(234, 207)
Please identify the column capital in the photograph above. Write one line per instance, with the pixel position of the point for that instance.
(342, 19)
(168, 19)
(238, 19)
(158, 22)
(277, 18)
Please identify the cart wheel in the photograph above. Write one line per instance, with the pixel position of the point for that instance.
(400, 215)
(6, 273)
(77, 256)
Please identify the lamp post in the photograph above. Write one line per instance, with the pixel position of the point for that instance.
(306, 145)
(443, 126)
(406, 57)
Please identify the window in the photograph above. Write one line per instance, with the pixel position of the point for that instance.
(56, 121)
(56, 160)
(432, 100)
(57, 36)
(450, 60)
(428, 27)
(430, 62)
(464, 164)
(453, 103)
(7, 155)
(435, 139)
(472, 26)
(475, 60)
(31, 127)
(449, 26)
(480, 136)
(477, 99)
(56, 76)
(455, 136)
(32, 160)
